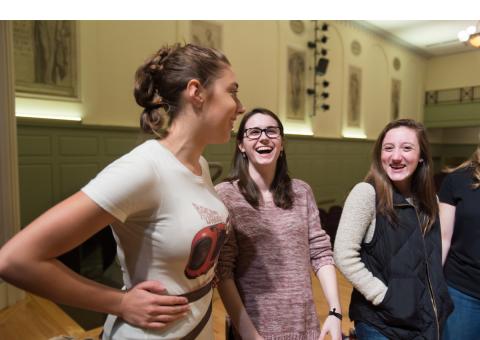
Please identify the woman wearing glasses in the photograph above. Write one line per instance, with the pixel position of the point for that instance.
(276, 239)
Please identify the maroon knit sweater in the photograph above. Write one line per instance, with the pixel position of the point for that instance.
(269, 253)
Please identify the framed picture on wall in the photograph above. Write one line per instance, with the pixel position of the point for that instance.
(45, 58)
(354, 96)
(207, 34)
(296, 78)
(396, 90)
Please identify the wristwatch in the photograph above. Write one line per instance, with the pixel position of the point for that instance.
(335, 314)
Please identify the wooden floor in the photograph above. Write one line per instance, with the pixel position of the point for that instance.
(35, 318)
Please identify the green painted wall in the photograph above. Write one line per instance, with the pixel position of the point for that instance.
(452, 115)
(57, 159)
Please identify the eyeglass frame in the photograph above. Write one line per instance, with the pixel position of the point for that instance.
(263, 131)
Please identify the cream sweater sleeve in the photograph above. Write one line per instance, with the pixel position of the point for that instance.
(357, 224)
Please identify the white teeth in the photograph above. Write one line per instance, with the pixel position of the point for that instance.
(263, 149)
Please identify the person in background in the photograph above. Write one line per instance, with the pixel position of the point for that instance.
(160, 202)
(264, 267)
(388, 243)
(459, 198)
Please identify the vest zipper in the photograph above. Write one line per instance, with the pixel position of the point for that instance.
(430, 289)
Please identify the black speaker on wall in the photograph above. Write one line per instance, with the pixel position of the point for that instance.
(321, 67)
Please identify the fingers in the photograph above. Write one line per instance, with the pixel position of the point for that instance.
(171, 300)
(325, 329)
(170, 310)
(157, 288)
(154, 325)
(160, 321)
(146, 305)
(152, 286)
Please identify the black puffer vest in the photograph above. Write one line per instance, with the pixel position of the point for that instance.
(417, 303)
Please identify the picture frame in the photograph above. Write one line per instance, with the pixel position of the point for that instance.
(354, 97)
(396, 92)
(206, 34)
(296, 83)
(46, 58)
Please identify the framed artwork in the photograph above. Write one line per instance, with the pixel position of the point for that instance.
(296, 78)
(207, 34)
(354, 96)
(396, 90)
(45, 58)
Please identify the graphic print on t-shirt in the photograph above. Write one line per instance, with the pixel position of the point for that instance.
(206, 244)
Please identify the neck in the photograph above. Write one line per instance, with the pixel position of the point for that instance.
(185, 143)
(404, 188)
(263, 177)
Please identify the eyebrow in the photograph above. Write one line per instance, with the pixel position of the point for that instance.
(266, 127)
(403, 143)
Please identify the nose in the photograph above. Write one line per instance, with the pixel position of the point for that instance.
(263, 136)
(396, 155)
(240, 107)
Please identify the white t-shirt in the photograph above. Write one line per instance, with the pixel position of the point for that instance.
(160, 206)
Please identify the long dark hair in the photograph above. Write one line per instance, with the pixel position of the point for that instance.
(281, 186)
(472, 163)
(160, 81)
(422, 185)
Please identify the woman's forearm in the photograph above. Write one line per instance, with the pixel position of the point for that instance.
(236, 310)
(328, 281)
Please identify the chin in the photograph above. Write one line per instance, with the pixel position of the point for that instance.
(263, 161)
(398, 178)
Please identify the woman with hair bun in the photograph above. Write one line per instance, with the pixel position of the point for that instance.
(160, 202)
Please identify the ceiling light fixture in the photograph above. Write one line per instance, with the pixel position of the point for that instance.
(471, 35)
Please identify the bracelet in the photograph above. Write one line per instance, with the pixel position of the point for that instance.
(335, 314)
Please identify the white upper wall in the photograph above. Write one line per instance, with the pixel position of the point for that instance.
(452, 71)
(375, 62)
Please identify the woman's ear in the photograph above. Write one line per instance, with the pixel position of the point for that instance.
(195, 92)
(240, 147)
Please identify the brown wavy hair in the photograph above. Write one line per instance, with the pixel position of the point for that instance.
(472, 163)
(160, 81)
(281, 186)
(422, 184)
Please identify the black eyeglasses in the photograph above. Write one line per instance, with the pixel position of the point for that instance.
(255, 132)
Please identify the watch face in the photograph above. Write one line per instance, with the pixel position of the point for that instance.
(297, 26)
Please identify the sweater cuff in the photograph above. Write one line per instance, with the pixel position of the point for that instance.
(379, 290)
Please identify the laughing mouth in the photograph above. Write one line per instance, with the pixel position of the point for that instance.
(397, 166)
(264, 150)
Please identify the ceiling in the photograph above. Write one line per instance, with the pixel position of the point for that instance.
(429, 38)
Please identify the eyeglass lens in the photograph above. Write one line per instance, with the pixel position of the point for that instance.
(254, 133)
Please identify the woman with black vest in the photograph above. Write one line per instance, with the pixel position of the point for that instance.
(460, 218)
(388, 243)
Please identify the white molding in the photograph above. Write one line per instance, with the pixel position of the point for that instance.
(9, 187)
(366, 26)
(3, 295)
(9, 295)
